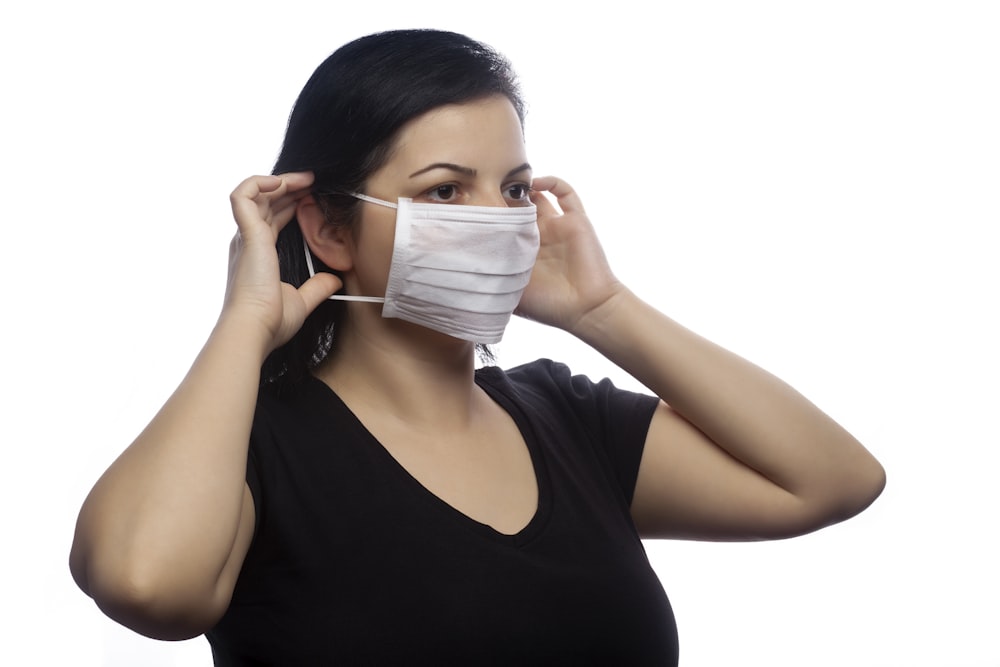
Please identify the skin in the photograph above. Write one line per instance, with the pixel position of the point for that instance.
(732, 452)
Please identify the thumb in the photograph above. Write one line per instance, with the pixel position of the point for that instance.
(315, 290)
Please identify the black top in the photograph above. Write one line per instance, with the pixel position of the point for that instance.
(354, 562)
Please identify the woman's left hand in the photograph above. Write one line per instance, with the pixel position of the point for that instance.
(571, 279)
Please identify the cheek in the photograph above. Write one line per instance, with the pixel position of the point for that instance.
(373, 251)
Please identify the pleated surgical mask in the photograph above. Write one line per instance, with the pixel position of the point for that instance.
(456, 269)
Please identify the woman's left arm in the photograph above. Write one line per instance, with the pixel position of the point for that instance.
(732, 453)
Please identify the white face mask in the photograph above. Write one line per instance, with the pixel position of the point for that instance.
(456, 269)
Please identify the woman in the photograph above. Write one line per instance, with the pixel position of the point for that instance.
(394, 504)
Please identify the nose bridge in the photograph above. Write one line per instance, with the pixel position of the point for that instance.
(487, 189)
(489, 195)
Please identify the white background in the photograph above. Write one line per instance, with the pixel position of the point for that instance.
(812, 184)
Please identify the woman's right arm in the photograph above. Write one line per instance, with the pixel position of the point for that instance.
(161, 538)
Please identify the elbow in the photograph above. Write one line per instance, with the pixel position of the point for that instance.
(848, 494)
(156, 611)
(152, 613)
(153, 606)
(864, 487)
(877, 481)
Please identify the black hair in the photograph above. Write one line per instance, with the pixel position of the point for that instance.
(343, 127)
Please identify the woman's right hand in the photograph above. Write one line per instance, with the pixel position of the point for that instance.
(262, 206)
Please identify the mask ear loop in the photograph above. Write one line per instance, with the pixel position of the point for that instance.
(312, 271)
(373, 200)
(336, 297)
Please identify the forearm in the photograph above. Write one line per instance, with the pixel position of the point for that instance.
(162, 521)
(755, 417)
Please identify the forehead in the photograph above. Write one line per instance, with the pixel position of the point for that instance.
(473, 132)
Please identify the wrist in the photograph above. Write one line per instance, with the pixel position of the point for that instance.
(602, 322)
(243, 331)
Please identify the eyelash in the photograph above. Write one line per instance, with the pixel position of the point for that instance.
(435, 192)
(527, 190)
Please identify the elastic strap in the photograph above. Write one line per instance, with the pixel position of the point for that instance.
(348, 297)
(336, 297)
(373, 200)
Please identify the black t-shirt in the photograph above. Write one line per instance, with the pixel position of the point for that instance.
(353, 562)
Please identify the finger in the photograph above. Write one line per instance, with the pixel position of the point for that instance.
(261, 202)
(280, 210)
(281, 214)
(297, 180)
(274, 188)
(568, 200)
(316, 290)
(544, 204)
(289, 200)
(252, 186)
(246, 197)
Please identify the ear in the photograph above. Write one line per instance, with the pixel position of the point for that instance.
(332, 244)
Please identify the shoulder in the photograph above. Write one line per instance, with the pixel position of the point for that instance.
(569, 408)
(285, 405)
(553, 379)
(541, 382)
(541, 375)
(535, 374)
(546, 386)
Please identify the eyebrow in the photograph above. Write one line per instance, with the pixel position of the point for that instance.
(468, 171)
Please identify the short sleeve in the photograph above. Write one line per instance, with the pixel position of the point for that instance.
(253, 482)
(261, 453)
(615, 420)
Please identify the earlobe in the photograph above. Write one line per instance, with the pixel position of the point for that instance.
(328, 242)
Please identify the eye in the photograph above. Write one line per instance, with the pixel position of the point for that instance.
(518, 192)
(443, 193)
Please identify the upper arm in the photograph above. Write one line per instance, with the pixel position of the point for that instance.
(241, 544)
(689, 487)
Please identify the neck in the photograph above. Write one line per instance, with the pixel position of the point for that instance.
(402, 371)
